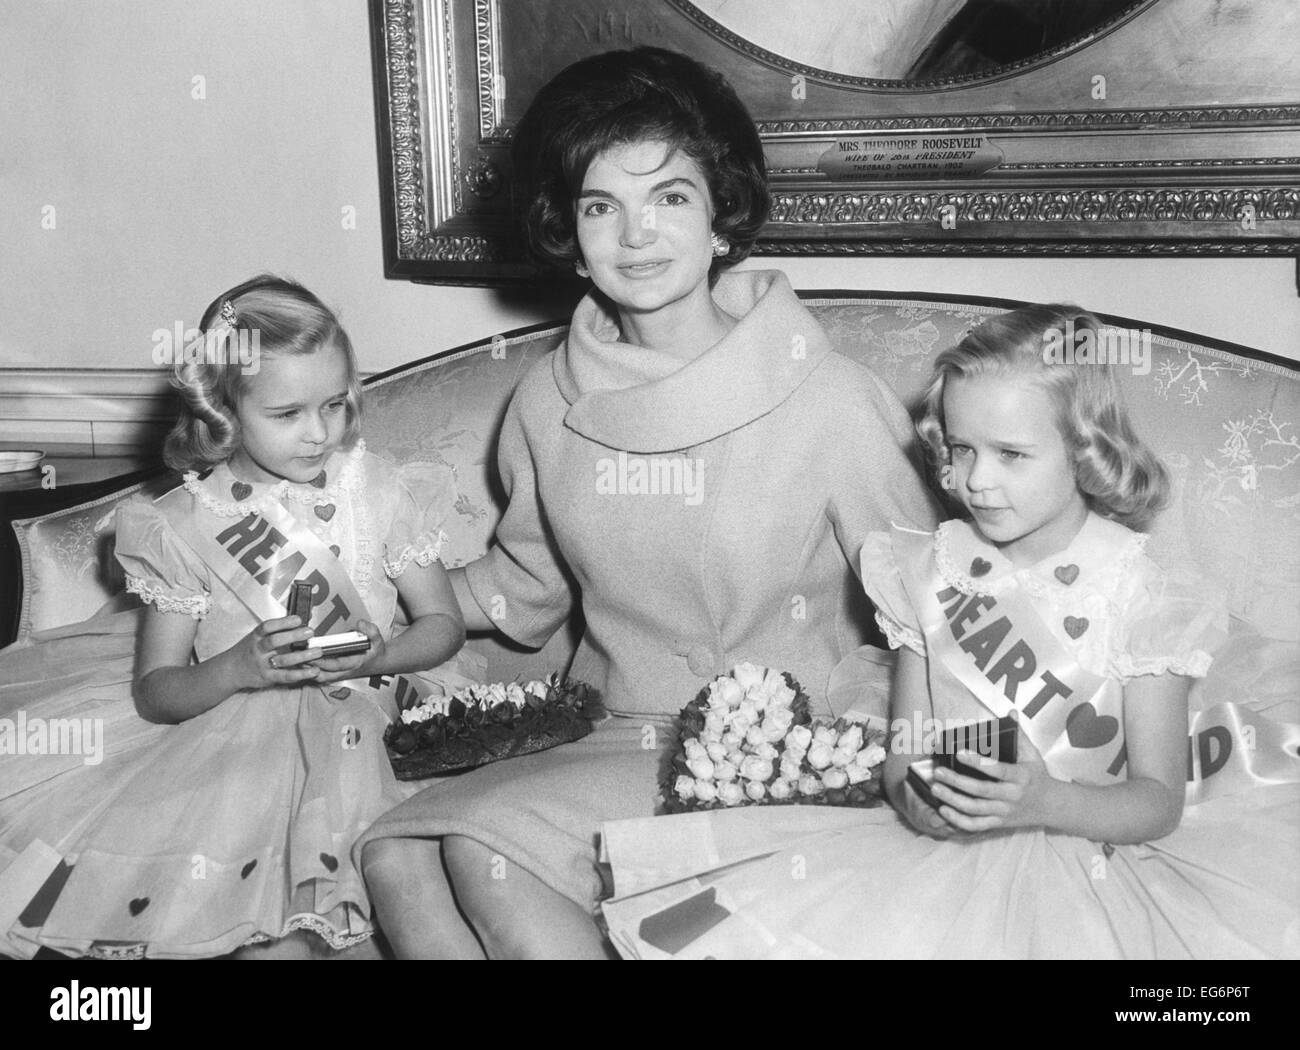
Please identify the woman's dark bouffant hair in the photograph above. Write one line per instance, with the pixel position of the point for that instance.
(646, 94)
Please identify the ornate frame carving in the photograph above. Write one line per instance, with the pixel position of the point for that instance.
(1210, 173)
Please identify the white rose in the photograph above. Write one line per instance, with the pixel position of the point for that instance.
(755, 768)
(873, 755)
(767, 751)
(694, 749)
(755, 737)
(772, 681)
(851, 739)
(809, 785)
(747, 676)
(732, 794)
(717, 702)
(736, 757)
(705, 790)
(819, 755)
(835, 778)
(757, 699)
(780, 789)
(701, 769)
(841, 757)
(685, 788)
(791, 767)
(716, 751)
(798, 739)
(857, 774)
(825, 735)
(715, 723)
(776, 723)
(782, 697)
(515, 694)
(496, 694)
(724, 771)
(755, 790)
(731, 693)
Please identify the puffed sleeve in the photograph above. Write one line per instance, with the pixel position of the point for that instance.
(884, 586)
(426, 494)
(159, 566)
(520, 583)
(1167, 626)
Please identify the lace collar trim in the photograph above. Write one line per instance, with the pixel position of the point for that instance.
(1102, 552)
(346, 466)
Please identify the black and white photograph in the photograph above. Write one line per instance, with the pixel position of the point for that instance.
(652, 480)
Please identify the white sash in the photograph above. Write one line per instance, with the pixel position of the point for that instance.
(1014, 664)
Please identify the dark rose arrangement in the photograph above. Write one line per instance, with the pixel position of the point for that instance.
(748, 739)
(488, 723)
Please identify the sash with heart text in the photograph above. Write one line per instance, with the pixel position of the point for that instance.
(1014, 664)
(1000, 649)
(260, 555)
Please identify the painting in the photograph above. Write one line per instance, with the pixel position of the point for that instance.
(988, 127)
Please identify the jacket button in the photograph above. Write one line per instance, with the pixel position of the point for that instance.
(701, 661)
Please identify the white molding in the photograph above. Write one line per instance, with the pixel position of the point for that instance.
(121, 408)
(106, 410)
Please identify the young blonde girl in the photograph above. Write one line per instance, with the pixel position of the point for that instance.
(222, 816)
(1038, 605)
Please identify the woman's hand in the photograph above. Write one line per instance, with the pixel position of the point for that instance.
(1014, 798)
(261, 659)
(358, 665)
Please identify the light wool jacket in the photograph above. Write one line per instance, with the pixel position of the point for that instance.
(702, 514)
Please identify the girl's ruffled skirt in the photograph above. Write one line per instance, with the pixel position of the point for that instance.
(181, 841)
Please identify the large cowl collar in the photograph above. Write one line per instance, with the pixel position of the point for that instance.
(635, 399)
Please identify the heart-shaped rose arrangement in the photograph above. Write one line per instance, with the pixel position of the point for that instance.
(748, 739)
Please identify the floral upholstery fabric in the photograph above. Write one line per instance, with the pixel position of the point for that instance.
(1224, 425)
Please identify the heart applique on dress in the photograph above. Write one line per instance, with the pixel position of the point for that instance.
(138, 905)
(247, 869)
(324, 511)
(318, 481)
(1075, 625)
(241, 490)
(1085, 728)
(331, 863)
(980, 567)
(334, 549)
(1067, 574)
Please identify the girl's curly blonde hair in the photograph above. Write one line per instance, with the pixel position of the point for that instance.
(1117, 474)
(286, 319)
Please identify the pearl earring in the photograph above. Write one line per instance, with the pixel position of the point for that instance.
(720, 245)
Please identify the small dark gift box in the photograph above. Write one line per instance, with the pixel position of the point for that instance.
(995, 740)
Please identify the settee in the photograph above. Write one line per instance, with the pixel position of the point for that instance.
(1222, 417)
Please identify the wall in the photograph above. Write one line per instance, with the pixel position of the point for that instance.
(167, 190)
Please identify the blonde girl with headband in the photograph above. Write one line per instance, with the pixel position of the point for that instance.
(223, 822)
(1068, 836)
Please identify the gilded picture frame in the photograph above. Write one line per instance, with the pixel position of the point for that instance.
(1168, 127)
